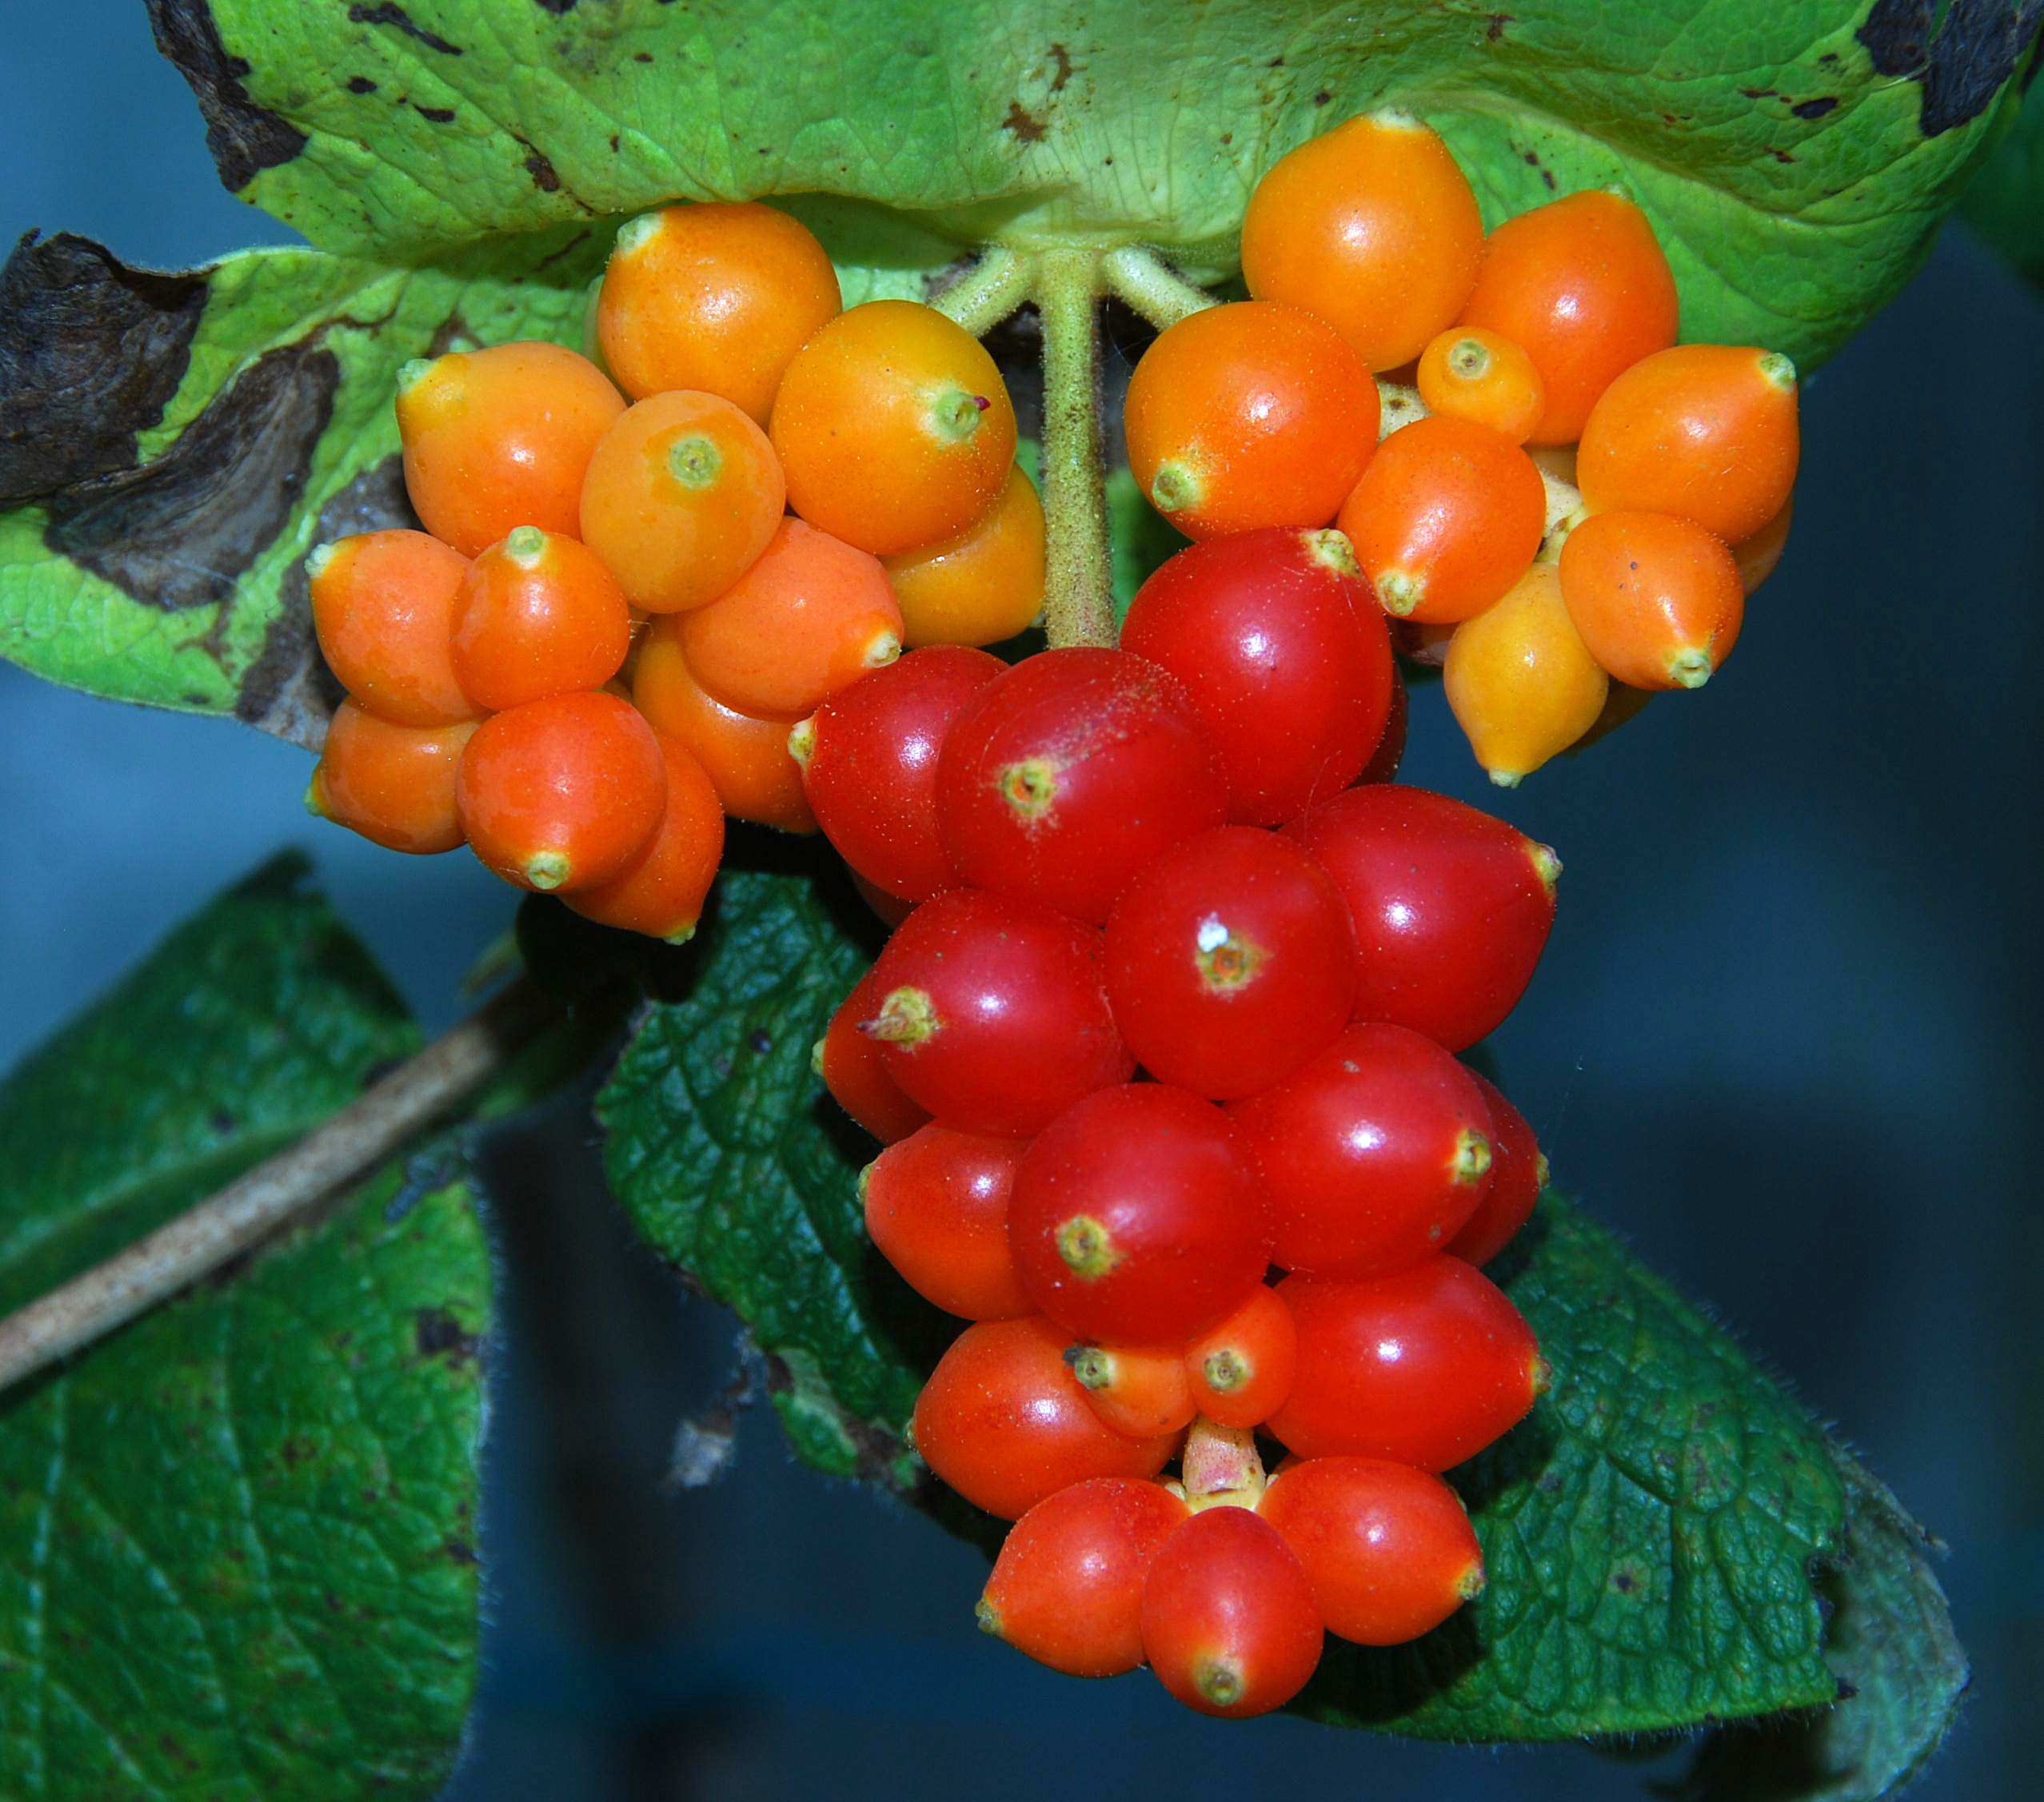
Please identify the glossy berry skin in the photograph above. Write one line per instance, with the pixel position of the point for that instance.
(1387, 1550)
(1444, 520)
(936, 1207)
(717, 295)
(895, 428)
(1707, 432)
(393, 784)
(992, 1014)
(562, 793)
(1068, 1587)
(1450, 906)
(1069, 773)
(1425, 1366)
(1520, 681)
(1482, 376)
(986, 585)
(1390, 752)
(680, 498)
(1582, 285)
(1230, 961)
(660, 892)
(1229, 1624)
(746, 757)
(1518, 1174)
(384, 604)
(1133, 1220)
(1276, 638)
(868, 758)
(810, 615)
(850, 1064)
(1657, 600)
(1371, 1156)
(1241, 1371)
(1373, 227)
(1757, 555)
(1004, 1422)
(1249, 415)
(538, 614)
(500, 438)
(1136, 1390)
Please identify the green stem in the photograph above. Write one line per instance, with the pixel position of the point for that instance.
(1078, 597)
(1152, 287)
(987, 293)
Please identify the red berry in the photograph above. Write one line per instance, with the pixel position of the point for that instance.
(1382, 766)
(1068, 1587)
(1229, 961)
(936, 1207)
(1005, 1423)
(1370, 1158)
(1133, 1221)
(849, 1062)
(1228, 1621)
(1241, 1370)
(1135, 1390)
(1388, 1549)
(1282, 647)
(1426, 1366)
(992, 1013)
(869, 764)
(1067, 775)
(1451, 908)
(1518, 1174)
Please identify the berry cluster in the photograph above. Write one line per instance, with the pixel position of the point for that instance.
(1551, 497)
(1171, 1002)
(618, 608)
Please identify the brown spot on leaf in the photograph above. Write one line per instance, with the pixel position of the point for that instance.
(296, 1450)
(541, 168)
(1321, 97)
(1961, 65)
(1814, 109)
(1062, 58)
(1024, 124)
(438, 115)
(361, 84)
(438, 1334)
(459, 1551)
(245, 138)
(397, 16)
(1496, 28)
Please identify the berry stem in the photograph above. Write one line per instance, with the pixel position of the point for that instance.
(1221, 1466)
(1152, 287)
(987, 292)
(1078, 599)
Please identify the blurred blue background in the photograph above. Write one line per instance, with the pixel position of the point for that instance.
(1783, 1039)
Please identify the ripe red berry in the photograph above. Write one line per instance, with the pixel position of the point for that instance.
(1069, 773)
(1133, 1221)
(992, 1012)
(870, 762)
(849, 1062)
(1371, 1156)
(1241, 1370)
(1278, 641)
(1004, 1422)
(936, 1207)
(1518, 1174)
(1230, 962)
(1426, 1366)
(1135, 1389)
(1068, 1587)
(1387, 1549)
(1451, 908)
(1384, 762)
(1229, 1624)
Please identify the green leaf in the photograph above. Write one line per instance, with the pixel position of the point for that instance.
(1664, 1533)
(237, 1537)
(2004, 202)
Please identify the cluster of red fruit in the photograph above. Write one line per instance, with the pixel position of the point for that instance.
(596, 648)
(1103, 861)
(1563, 500)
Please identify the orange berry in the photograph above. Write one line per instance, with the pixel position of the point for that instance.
(562, 793)
(1445, 518)
(1136, 1391)
(1705, 431)
(1520, 682)
(981, 587)
(499, 438)
(894, 427)
(538, 614)
(812, 615)
(660, 892)
(747, 759)
(383, 606)
(1756, 556)
(1373, 227)
(1581, 285)
(718, 295)
(1657, 599)
(1251, 414)
(394, 785)
(681, 495)
(1482, 376)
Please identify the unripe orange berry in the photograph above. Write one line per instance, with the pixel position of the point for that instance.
(718, 295)
(1521, 683)
(499, 438)
(394, 785)
(680, 497)
(383, 605)
(538, 614)
(981, 587)
(660, 892)
(1757, 555)
(1657, 599)
(1482, 376)
(1137, 1390)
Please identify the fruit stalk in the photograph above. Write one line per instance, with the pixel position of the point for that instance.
(987, 293)
(1078, 601)
(1155, 290)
